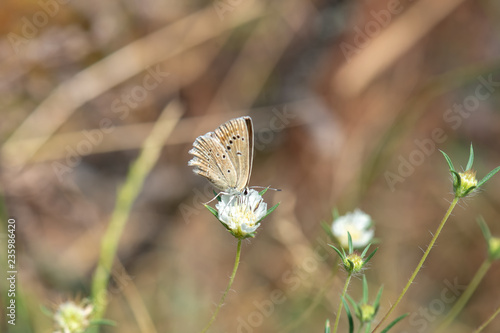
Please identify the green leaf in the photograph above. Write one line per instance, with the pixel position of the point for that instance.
(103, 322)
(269, 211)
(335, 213)
(338, 252)
(217, 196)
(457, 180)
(369, 257)
(353, 303)
(327, 326)
(349, 242)
(488, 176)
(484, 228)
(365, 290)
(365, 250)
(213, 211)
(450, 164)
(394, 322)
(349, 316)
(471, 158)
(469, 190)
(261, 193)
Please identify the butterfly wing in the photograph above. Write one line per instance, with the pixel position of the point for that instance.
(236, 136)
(212, 161)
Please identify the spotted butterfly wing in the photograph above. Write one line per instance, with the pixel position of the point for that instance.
(225, 156)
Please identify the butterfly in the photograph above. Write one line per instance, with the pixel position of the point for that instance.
(225, 156)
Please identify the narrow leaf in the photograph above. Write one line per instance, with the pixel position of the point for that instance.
(349, 242)
(365, 250)
(327, 326)
(338, 252)
(365, 290)
(488, 176)
(213, 211)
(103, 322)
(269, 211)
(370, 256)
(450, 164)
(484, 228)
(349, 316)
(261, 193)
(335, 213)
(471, 158)
(394, 322)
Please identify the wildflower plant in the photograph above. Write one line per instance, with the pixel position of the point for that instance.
(241, 214)
(464, 183)
(353, 264)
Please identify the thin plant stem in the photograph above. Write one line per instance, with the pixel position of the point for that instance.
(420, 264)
(231, 279)
(339, 311)
(317, 299)
(464, 298)
(487, 322)
(126, 196)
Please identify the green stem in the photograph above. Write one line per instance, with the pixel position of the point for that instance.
(339, 311)
(231, 279)
(487, 322)
(126, 196)
(420, 264)
(464, 298)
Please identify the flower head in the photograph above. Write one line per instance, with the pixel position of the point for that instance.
(358, 224)
(241, 213)
(464, 183)
(352, 261)
(71, 317)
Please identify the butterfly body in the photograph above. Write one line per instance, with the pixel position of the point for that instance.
(225, 156)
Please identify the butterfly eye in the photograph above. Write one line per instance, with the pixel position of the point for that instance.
(231, 142)
(228, 148)
(238, 136)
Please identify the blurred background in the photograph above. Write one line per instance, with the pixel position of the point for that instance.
(351, 101)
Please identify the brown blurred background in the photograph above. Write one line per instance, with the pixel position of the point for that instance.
(351, 101)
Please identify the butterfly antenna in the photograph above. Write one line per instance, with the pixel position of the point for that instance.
(267, 188)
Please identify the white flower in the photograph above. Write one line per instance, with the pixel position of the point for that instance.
(72, 318)
(358, 224)
(241, 213)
